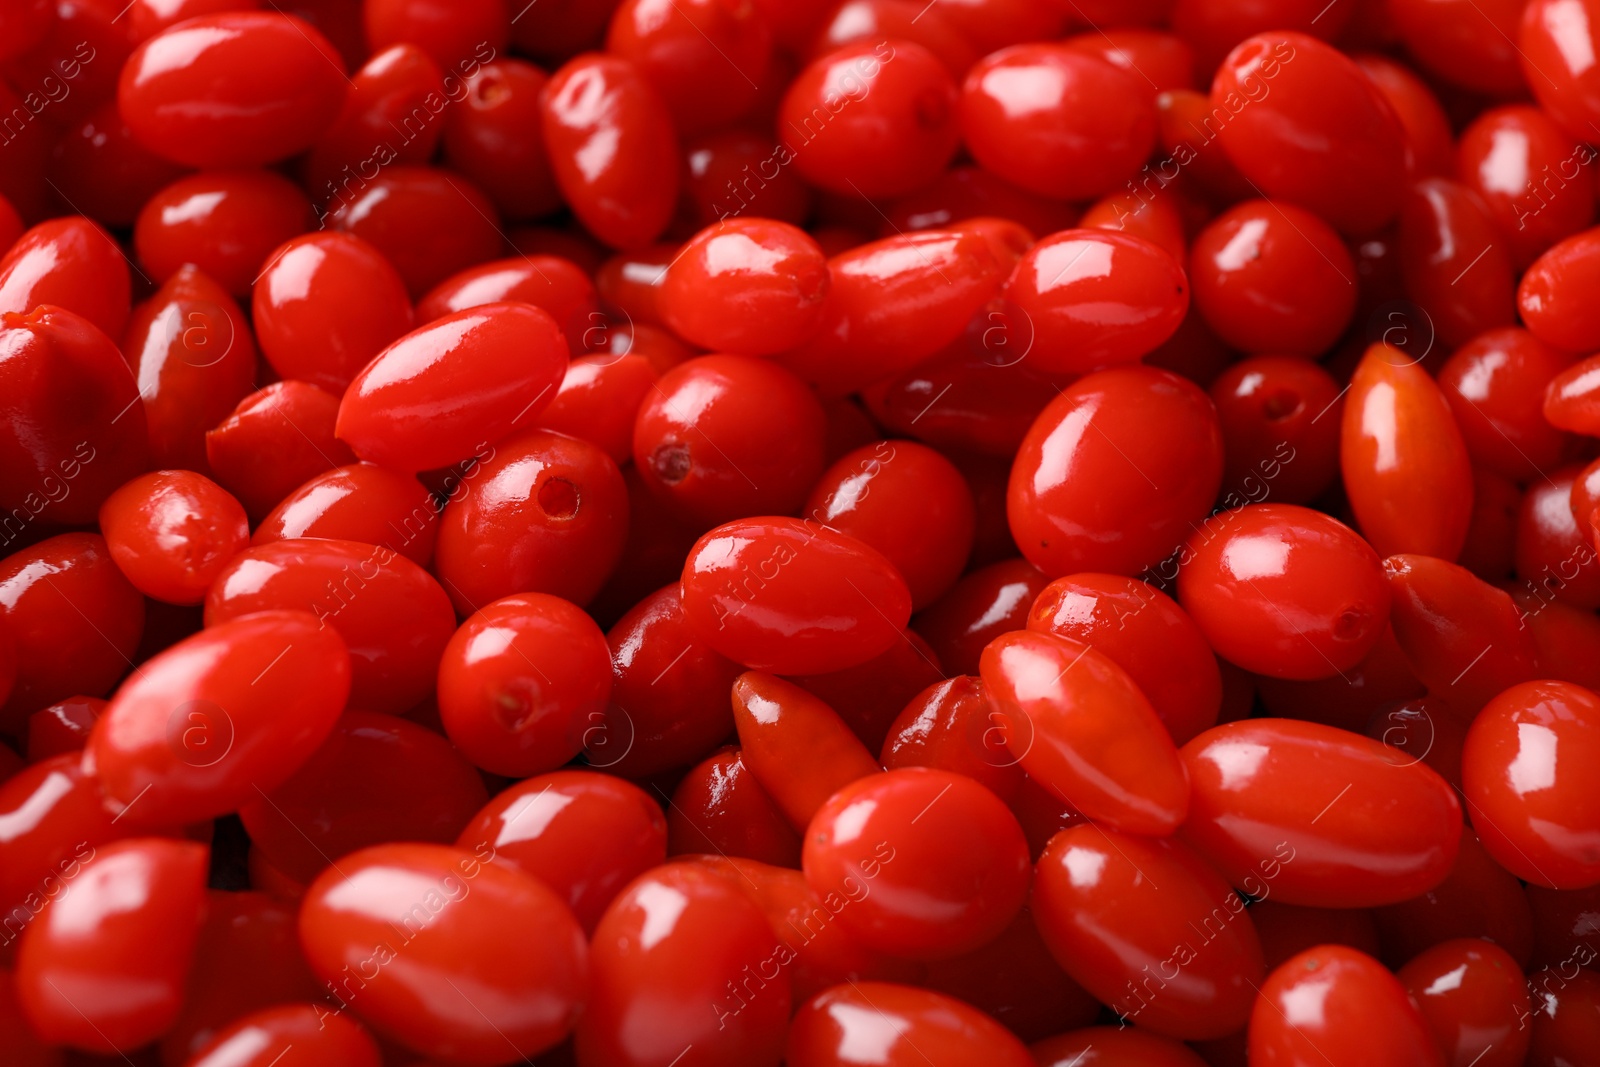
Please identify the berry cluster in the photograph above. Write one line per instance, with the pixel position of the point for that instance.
(832, 533)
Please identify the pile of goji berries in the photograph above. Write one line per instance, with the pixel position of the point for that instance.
(728, 533)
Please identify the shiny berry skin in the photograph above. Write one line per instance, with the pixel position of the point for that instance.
(455, 34)
(1525, 795)
(1380, 681)
(1143, 631)
(1056, 121)
(542, 513)
(871, 119)
(376, 779)
(1453, 262)
(1332, 1004)
(522, 683)
(669, 965)
(1565, 637)
(1424, 729)
(70, 263)
(362, 502)
(898, 1022)
(1555, 554)
(707, 58)
(104, 967)
(1551, 44)
(1284, 591)
(822, 601)
(443, 390)
(494, 136)
(1016, 981)
(962, 868)
(413, 938)
(73, 428)
(1158, 220)
(719, 803)
(61, 651)
(262, 1038)
(1123, 1046)
(390, 116)
(225, 222)
(1495, 385)
(172, 533)
(1162, 60)
(984, 604)
(1445, 619)
(895, 302)
(599, 400)
(247, 960)
(426, 221)
(669, 695)
(612, 149)
(1406, 469)
(233, 709)
(583, 834)
(1122, 498)
(1263, 787)
(950, 726)
(1470, 44)
(274, 441)
(908, 502)
(1566, 1019)
(1429, 138)
(783, 728)
(1272, 277)
(1181, 115)
(62, 727)
(1307, 126)
(876, 20)
(324, 305)
(52, 822)
(1522, 166)
(822, 956)
(1475, 1000)
(393, 616)
(1280, 429)
(191, 352)
(552, 283)
(1084, 299)
(631, 280)
(1572, 397)
(1135, 946)
(1080, 727)
(719, 180)
(751, 286)
(870, 695)
(1551, 296)
(723, 437)
(237, 89)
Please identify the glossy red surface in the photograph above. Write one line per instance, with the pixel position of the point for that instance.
(236, 89)
(1319, 800)
(401, 934)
